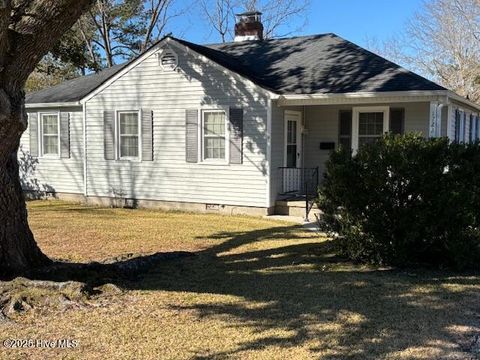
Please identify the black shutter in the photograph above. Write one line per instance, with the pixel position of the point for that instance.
(147, 135)
(65, 135)
(397, 121)
(236, 135)
(33, 132)
(345, 129)
(191, 135)
(109, 134)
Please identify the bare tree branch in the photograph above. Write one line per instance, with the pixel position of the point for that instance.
(442, 42)
(278, 15)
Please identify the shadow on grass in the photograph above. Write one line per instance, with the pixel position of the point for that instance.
(334, 308)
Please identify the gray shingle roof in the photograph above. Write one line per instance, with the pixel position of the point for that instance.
(317, 64)
(73, 90)
(298, 65)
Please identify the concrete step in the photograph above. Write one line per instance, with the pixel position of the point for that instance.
(294, 208)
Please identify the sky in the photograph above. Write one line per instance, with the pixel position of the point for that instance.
(355, 20)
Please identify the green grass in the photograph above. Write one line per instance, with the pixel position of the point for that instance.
(257, 290)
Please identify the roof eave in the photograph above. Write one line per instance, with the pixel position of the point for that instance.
(53, 105)
(362, 97)
(368, 97)
(461, 99)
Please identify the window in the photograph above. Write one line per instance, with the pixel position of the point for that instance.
(129, 134)
(457, 126)
(370, 127)
(50, 134)
(477, 134)
(473, 129)
(214, 126)
(292, 145)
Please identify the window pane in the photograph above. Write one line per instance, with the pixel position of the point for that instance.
(128, 123)
(291, 156)
(129, 146)
(50, 124)
(214, 148)
(214, 123)
(50, 145)
(370, 123)
(292, 132)
(367, 140)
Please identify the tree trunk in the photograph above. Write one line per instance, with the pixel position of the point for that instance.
(19, 252)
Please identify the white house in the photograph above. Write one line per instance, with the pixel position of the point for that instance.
(233, 127)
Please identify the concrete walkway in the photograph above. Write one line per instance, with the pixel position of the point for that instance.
(310, 225)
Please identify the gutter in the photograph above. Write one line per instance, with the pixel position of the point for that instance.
(53, 104)
(290, 99)
(269, 154)
(462, 100)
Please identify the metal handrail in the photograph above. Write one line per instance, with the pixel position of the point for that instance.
(301, 181)
(311, 188)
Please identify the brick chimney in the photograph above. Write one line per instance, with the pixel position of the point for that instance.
(249, 26)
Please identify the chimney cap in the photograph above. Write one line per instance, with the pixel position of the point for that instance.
(249, 13)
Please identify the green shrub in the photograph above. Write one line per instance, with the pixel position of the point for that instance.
(405, 200)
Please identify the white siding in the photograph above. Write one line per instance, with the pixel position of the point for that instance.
(55, 175)
(169, 177)
(322, 124)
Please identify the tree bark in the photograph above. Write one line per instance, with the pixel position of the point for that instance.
(18, 249)
(28, 29)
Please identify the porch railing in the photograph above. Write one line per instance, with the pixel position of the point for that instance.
(302, 182)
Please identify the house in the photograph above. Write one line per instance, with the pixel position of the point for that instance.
(233, 127)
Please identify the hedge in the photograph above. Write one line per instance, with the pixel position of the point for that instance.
(405, 200)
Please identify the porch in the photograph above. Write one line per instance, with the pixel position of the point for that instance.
(303, 138)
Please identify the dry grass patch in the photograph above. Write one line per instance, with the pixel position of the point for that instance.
(257, 290)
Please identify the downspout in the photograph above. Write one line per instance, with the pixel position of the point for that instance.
(269, 154)
(84, 125)
(304, 134)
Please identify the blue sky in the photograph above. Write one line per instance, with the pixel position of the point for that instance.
(355, 20)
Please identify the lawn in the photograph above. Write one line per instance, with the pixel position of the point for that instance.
(256, 289)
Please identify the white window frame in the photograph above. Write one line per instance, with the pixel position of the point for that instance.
(356, 119)
(287, 116)
(118, 135)
(201, 143)
(41, 139)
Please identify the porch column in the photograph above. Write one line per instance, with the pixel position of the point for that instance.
(451, 123)
(435, 122)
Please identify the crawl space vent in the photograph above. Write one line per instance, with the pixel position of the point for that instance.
(168, 60)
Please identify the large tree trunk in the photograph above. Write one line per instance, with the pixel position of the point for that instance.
(28, 29)
(18, 250)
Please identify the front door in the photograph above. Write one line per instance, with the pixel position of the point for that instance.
(293, 139)
(292, 180)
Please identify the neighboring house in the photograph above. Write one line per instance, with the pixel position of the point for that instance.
(233, 127)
